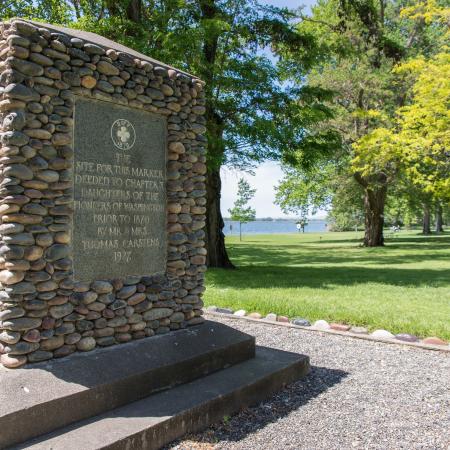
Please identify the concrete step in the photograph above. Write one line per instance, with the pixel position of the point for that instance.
(43, 397)
(159, 419)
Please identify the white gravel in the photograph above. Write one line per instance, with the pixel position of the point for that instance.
(358, 395)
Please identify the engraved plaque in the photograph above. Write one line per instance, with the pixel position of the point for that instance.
(119, 224)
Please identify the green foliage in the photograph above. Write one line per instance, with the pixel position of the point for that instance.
(252, 113)
(347, 207)
(417, 144)
(363, 43)
(305, 192)
(241, 212)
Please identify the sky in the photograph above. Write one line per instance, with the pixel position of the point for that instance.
(268, 174)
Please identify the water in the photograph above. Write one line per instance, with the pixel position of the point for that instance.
(273, 226)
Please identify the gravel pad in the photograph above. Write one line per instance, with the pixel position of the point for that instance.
(358, 395)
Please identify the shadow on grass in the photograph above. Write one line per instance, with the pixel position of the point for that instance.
(292, 398)
(402, 250)
(254, 277)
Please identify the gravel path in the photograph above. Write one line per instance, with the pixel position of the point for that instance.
(359, 395)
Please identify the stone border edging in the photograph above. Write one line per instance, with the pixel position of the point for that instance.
(445, 349)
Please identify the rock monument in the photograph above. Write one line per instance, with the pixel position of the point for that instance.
(101, 227)
(102, 208)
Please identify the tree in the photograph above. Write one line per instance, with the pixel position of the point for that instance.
(252, 111)
(361, 42)
(417, 144)
(241, 212)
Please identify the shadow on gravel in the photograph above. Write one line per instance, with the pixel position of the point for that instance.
(250, 420)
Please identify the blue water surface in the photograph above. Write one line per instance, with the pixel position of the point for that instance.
(273, 226)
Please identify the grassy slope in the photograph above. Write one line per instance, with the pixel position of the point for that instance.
(403, 287)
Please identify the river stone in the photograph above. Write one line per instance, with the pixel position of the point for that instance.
(22, 348)
(9, 337)
(72, 338)
(429, 341)
(21, 324)
(321, 325)
(84, 325)
(12, 362)
(88, 297)
(47, 334)
(52, 343)
(86, 344)
(33, 253)
(12, 313)
(38, 133)
(102, 287)
(18, 171)
(14, 39)
(88, 82)
(7, 277)
(406, 337)
(15, 120)
(107, 68)
(272, 317)
(106, 341)
(49, 176)
(126, 291)
(382, 334)
(60, 311)
(93, 49)
(19, 239)
(40, 355)
(136, 298)
(157, 313)
(105, 86)
(21, 92)
(57, 251)
(32, 336)
(301, 322)
(65, 350)
(177, 317)
(118, 304)
(41, 59)
(28, 68)
(117, 321)
(21, 288)
(46, 286)
(339, 327)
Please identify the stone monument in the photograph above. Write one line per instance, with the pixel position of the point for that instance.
(102, 228)
(102, 207)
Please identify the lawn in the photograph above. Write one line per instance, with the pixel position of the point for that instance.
(403, 287)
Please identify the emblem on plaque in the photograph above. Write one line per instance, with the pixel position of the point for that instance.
(123, 134)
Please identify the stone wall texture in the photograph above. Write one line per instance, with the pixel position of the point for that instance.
(44, 313)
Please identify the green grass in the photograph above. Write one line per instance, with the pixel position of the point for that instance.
(403, 287)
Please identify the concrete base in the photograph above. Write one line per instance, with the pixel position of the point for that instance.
(83, 397)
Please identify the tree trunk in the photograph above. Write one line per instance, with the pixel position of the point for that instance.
(439, 220)
(426, 222)
(375, 191)
(217, 252)
(374, 201)
(240, 231)
(134, 9)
